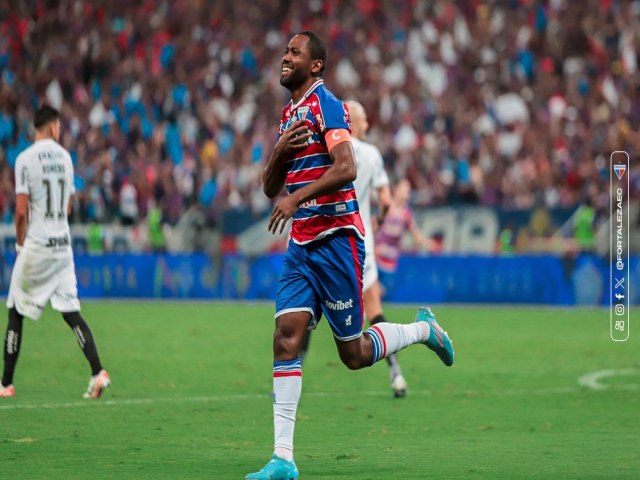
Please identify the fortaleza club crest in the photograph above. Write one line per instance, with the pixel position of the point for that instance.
(619, 169)
(301, 113)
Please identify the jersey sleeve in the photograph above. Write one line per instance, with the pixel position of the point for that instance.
(335, 115)
(380, 178)
(22, 175)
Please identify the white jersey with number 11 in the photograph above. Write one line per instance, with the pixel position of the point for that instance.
(44, 171)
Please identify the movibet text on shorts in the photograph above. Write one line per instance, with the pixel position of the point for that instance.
(339, 304)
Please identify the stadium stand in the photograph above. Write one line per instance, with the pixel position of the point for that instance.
(510, 104)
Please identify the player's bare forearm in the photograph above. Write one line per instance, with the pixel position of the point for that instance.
(420, 239)
(21, 217)
(21, 229)
(340, 173)
(274, 175)
(384, 200)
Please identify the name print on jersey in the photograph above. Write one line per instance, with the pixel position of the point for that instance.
(53, 168)
(48, 155)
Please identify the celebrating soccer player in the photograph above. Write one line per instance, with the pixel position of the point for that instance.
(314, 159)
(44, 270)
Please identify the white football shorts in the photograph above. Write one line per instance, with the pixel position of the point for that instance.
(370, 274)
(39, 276)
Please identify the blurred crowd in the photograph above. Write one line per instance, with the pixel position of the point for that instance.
(173, 105)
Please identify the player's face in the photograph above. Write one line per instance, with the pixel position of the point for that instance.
(297, 64)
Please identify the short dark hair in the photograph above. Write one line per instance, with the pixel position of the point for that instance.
(44, 115)
(316, 47)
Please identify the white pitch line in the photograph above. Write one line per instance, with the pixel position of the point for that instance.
(591, 380)
(265, 396)
(128, 401)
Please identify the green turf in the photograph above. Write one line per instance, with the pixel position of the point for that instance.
(191, 399)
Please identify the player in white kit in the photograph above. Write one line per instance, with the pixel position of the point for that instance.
(44, 269)
(371, 176)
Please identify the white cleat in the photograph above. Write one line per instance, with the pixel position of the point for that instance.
(399, 386)
(97, 384)
(6, 392)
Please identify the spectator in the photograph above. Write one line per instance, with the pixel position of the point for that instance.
(156, 234)
(96, 244)
(584, 232)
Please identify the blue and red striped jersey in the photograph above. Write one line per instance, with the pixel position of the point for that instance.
(326, 214)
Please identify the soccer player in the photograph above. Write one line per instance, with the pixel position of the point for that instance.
(371, 175)
(398, 220)
(313, 158)
(44, 269)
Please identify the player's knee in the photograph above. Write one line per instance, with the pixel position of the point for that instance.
(15, 321)
(15, 317)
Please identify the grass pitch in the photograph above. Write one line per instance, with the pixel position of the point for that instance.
(191, 399)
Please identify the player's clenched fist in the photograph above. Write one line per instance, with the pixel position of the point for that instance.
(293, 138)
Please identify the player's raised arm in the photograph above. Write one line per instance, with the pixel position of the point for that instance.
(340, 173)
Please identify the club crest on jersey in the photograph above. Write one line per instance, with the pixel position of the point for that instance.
(301, 113)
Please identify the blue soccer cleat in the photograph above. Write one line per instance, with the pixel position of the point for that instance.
(276, 469)
(438, 340)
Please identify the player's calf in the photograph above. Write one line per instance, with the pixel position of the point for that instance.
(355, 354)
(85, 340)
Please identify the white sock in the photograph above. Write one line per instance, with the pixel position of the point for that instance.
(287, 387)
(388, 338)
